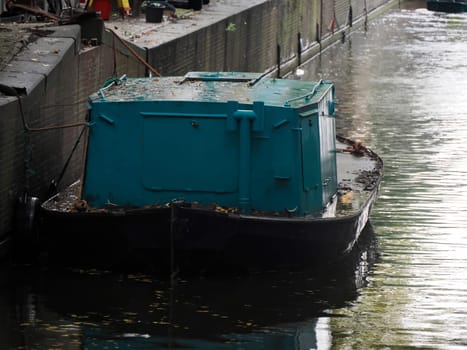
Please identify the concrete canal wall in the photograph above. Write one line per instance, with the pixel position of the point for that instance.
(250, 40)
(255, 38)
(54, 75)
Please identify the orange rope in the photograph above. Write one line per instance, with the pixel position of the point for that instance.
(134, 53)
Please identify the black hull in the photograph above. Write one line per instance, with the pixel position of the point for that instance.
(186, 235)
(447, 6)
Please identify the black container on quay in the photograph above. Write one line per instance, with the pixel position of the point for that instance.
(154, 12)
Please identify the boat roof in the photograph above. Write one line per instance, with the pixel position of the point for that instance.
(243, 87)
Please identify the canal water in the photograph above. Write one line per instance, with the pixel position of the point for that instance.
(402, 90)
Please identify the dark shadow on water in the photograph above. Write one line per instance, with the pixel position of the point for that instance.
(102, 309)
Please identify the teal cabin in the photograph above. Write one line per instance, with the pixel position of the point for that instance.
(236, 140)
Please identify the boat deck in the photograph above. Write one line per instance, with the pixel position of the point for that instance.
(358, 175)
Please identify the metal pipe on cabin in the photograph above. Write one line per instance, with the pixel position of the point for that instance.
(245, 118)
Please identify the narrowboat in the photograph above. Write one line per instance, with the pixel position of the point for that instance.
(451, 6)
(213, 165)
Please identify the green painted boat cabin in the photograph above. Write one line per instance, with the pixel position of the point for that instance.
(236, 140)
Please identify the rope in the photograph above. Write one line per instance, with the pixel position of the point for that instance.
(54, 185)
(26, 127)
(80, 103)
(10, 91)
(134, 53)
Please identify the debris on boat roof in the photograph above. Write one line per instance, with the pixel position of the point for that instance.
(198, 87)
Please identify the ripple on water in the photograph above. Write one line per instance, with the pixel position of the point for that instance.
(402, 88)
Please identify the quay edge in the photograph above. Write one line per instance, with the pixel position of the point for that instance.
(54, 74)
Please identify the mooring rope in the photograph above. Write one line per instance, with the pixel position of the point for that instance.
(55, 183)
(26, 127)
(10, 91)
(134, 53)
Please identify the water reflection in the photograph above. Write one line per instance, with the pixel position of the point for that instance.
(402, 88)
(106, 310)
